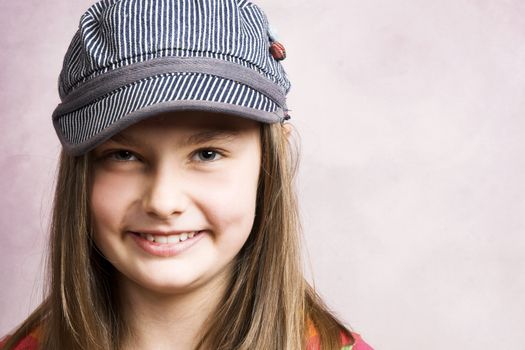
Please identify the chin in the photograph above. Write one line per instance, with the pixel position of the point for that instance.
(169, 284)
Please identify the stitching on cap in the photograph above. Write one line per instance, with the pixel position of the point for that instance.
(164, 75)
(116, 64)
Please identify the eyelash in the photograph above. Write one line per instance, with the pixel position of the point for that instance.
(113, 153)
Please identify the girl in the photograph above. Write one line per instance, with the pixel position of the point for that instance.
(175, 223)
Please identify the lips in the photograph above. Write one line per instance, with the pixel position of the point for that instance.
(166, 245)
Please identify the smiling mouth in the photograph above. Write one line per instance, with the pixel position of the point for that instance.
(167, 239)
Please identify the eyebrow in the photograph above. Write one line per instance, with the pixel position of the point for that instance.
(200, 137)
(211, 135)
(123, 139)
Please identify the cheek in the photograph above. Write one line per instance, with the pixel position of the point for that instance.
(230, 204)
(109, 198)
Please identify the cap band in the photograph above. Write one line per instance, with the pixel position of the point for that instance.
(102, 85)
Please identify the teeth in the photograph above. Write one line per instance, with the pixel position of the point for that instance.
(173, 239)
(168, 239)
(161, 239)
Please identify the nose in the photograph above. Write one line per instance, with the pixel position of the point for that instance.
(165, 194)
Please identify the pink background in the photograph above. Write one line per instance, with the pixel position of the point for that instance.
(411, 115)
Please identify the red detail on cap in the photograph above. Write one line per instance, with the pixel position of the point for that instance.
(277, 50)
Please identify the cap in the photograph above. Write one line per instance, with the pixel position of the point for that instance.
(133, 59)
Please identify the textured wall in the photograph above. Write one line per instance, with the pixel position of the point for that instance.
(411, 121)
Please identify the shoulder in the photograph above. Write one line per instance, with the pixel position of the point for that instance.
(358, 343)
(30, 342)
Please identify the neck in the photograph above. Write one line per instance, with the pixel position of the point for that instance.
(168, 321)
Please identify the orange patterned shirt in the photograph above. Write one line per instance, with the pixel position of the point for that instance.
(31, 342)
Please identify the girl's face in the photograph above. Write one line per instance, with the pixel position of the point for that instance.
(166, 179)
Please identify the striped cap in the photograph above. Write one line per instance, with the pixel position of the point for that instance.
(132, 59)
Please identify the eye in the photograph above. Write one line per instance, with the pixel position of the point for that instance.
(207, 155)
(121, 155)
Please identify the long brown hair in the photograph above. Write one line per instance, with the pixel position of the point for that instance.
(268, 304)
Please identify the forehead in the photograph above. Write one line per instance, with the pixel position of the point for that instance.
(189, 128)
